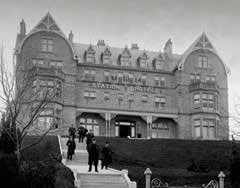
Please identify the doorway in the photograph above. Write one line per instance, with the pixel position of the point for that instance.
(125, 129)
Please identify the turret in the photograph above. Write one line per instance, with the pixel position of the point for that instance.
(22, 28)
(70, 37)
(168, 48)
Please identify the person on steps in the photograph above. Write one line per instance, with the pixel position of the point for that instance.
(106, 155)
(71, 148)
(90, 136)
(93, 155)
(81, 131)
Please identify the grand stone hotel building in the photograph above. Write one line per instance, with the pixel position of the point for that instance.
(128, 91)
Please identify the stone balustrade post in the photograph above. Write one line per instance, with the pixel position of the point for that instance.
(148, 174)
(221, 177)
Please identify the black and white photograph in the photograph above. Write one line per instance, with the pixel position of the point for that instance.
(119, 94)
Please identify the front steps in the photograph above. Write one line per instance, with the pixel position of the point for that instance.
(83, 179)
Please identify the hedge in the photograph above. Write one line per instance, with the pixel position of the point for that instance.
(178, 162)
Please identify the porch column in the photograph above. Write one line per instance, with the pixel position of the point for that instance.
(149, 126)
(107, 119)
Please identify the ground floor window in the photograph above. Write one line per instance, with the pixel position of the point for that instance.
(160, 130)
(90, 124)
(205, 128)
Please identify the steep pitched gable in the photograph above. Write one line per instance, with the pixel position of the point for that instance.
(202, 42)
(49, 24)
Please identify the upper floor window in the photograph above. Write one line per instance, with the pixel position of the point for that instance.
(106, 96)
(158, 62)
(55, 64)
(89, 75)
(205, 101)
(106, 56)
(120, 98)
(159, 65)
(210, 79)
(144, 80)
(125, 61)
(160, 102)
(143, 60)
(195, 78)
(106, 76)
(130, 100)
(120, 78)
(39, 62)
(90, 94)
(202, 61)
(160, 81)
(125, 58)
(196, 100)
(45, 88)
(46, 45)
(144, 98)
(90, 55)
(58, 118)
(131, 78)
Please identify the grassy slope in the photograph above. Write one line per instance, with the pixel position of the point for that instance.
(169, 159)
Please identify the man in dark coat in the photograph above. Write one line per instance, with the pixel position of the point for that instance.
(106, 155)
(93, 155)
(71, 148)
(90, 136)
(72, 131)
(81, 131)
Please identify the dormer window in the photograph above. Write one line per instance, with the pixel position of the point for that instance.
(125, 57)
(106, 56)
(142, 60)
(90, 55)
(158, 62)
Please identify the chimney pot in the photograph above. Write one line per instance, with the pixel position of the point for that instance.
(100, 43)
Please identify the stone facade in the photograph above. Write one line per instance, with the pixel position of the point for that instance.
(128, 91)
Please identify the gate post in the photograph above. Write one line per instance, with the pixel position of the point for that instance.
(148, 174)
(221, 177)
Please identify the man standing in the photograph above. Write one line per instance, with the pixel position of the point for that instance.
(106, 155)
(71, 148)
(90, 136)
(93, 155)
(81, 131)
(72, 131)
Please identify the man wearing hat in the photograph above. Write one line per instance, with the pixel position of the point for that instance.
(106, 155)
(93, 155)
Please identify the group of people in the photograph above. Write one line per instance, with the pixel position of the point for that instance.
(93, 149)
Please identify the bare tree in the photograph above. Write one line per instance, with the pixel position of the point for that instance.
(23, 103)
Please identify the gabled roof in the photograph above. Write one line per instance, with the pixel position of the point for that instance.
(202, 42)
(107, 52)
(47, 23)
(126, 52)
(80, 49)
(90, 49)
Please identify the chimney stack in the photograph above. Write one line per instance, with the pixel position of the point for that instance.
(22, 28)
(135, 46)
(100, 43)
(70, 36)
(168, 48)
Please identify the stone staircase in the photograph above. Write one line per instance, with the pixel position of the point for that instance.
(110, 178)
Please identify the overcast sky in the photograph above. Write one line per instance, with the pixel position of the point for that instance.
(149, 23)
